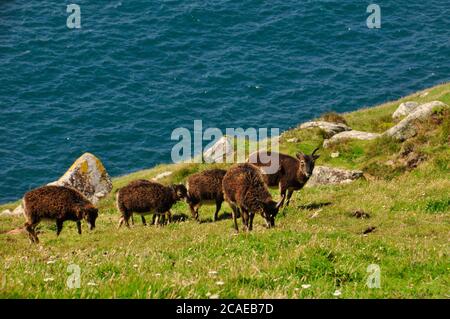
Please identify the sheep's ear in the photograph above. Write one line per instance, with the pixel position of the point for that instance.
(300, 155)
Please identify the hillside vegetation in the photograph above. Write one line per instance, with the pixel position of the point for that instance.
(317, 249)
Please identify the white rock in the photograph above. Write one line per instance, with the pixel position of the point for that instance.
(350, 135)
(6, 212)
(323, 175)
(222, 148)
(162, 175)
(405, 109)
(88, 175)
(424, 94)
(404, 129)
(334, 155)
(328, 127)
(292, 140)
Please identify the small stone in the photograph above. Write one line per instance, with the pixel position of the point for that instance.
(220, 283)
(292, 140)
(334, 155)
(315, 215)
(306, 286)
(337, 293)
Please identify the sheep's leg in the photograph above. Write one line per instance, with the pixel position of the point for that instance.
(218, 206)
(157, 219)
(153, 219)
(282, 194)
(169, 216)
(235, 214)
(289, 194)
(245, 217)
(59, 226)
(250, 224)
(121, 220)
(143, 220)
(194, 211)
(29, 227)
(79, 227)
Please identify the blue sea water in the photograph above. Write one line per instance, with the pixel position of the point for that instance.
(138, 69)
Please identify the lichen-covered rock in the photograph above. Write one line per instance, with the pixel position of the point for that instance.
(405, 128)
(350, 135)
(87, 175)
(405, 109)
(323, 175)
(328, 127)
(217, 153)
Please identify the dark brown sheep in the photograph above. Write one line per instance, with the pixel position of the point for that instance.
(290, 175)
(145, 197)
(245, 191)
(58, 203)
(204, 187)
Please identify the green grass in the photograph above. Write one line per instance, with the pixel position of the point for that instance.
(316, 241)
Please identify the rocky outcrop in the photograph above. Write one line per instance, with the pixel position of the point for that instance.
(17, 211)
(350, 135)
(87, 174)
(323, 175)
(329, 127)
(405, 128)
(219, 151)
(405, 109)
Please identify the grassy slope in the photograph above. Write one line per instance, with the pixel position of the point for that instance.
(409, 207)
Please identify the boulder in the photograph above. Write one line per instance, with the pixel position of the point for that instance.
(405, 109)
(405, 128)
(217, 153)
(88, 175)
(323, 175)
(329, 127)
(350, 135)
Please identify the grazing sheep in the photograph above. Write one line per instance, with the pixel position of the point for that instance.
(145, 197)
(58, 203)
(245, 191)
(292, 173)
(203, 187)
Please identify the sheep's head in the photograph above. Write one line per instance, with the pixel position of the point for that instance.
(307, 163)
(270, 210)
(91, 214)
(179, 191)
(87, 212)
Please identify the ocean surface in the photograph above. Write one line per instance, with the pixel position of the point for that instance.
(136, 70)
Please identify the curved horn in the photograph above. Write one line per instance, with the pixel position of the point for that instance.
(315, 150)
